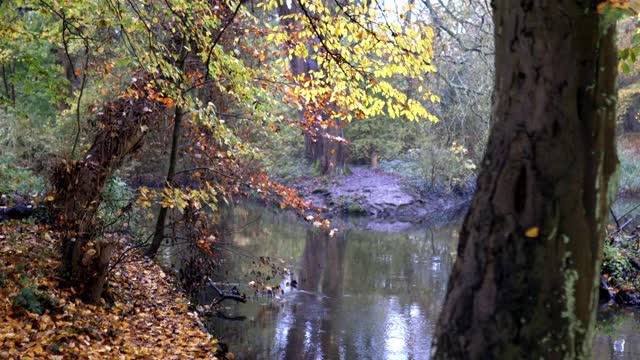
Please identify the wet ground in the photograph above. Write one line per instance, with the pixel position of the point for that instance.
(381, 195)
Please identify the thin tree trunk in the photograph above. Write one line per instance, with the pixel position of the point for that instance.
(158, 235)
(5, 81)
(13, 87)
(524, 285)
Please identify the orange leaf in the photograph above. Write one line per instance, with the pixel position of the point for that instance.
(532, 232)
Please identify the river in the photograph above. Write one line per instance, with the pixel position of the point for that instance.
(360, 294)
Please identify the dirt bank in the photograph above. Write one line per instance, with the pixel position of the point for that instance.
(381, 197)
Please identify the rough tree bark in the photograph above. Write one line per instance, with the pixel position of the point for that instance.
(319, 144)
(78, 187)
(524, 284)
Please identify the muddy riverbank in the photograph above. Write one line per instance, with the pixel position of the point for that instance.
(382, 198)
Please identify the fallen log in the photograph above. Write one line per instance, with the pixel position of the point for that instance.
(17, 212)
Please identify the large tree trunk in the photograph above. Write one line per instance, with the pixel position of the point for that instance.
(524, 284)
(78, 187)
(320, 145)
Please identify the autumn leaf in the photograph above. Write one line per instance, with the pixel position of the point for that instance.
(532, 232)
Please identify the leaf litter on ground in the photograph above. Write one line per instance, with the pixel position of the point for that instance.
(146, 316)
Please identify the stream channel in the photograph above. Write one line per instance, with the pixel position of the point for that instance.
(360, 294)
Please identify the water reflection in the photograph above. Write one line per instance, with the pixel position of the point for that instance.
(618, 336)
(361, 295)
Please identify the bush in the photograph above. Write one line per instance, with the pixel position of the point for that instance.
(629, 168)
(388, 137)
(446, 168)
(21, 151)
(615, 262)
(438, 167)
(282, 154)
(116, 196)
(355, 209)
(33, 301)
(15, 179)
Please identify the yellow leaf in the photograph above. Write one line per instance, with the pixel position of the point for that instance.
(532, 232)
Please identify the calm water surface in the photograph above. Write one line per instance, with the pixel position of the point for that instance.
(361, 294)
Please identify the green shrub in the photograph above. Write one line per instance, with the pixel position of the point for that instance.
(446, 167)
(19, 151)
(116, 196)
(354, 208)
(441, 168)
(614, 262)
(629, 169)
(15, 179)
(33, 301)
(282, 154)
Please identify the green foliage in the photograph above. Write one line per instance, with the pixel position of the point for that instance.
(32, 300)
(388, 137)
(20, 149)
(282, 154)
(615, 262)
(116, 195)
(629, 168)
(117, 192)
(446, 168)
(438, 167)
(15, 179)
(620, 260)
(354, 208)
(29, 68)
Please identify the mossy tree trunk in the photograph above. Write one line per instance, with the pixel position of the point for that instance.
(524, 284)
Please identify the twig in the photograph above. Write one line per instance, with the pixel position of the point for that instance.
(630, 211)
(82, 85)
(620, 228)
(224, 295)
(614, 217)
(215, 42)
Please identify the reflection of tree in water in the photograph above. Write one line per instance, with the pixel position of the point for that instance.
(320, 295)
(359, 292)
(617, 335)
(413, 266)
(395, 286)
